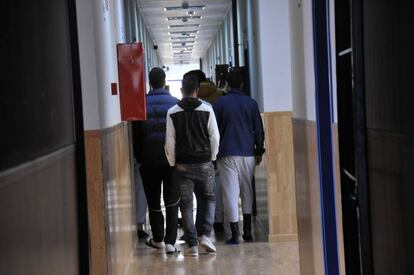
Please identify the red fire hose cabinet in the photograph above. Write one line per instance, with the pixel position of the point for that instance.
(131, 81)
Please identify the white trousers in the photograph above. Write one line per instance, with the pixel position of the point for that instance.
(236, 175)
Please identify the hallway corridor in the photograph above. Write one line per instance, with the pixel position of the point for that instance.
(330, 81)
(245, 259)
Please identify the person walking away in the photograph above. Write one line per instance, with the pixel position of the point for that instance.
(191, 145)
(155, 170)
(209, 93)
(241, 147)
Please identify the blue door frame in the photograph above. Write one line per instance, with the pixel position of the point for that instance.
(324, 118)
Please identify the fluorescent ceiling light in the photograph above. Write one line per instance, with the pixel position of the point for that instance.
(182, 37)
(195, 7)
(184, 33)
(185, 42)
(172, 18)
(182, 47)
(183, 26)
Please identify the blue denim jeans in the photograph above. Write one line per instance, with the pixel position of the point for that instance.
(197, 178)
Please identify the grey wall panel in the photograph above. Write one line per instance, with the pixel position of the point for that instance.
(38, 232)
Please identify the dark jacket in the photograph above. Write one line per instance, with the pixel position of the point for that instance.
(192, 133)
(149, 135)
(240, 125)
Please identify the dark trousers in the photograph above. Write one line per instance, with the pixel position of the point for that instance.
(152, 178)
(197, 179)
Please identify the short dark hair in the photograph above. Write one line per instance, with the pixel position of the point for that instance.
(199, 74)
(189, 85)
(157, 78)
(235, 78)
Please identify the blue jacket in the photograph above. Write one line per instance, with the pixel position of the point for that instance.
(240, 125)
(149, 135)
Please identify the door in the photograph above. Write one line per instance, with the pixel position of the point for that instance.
(381, 99)
(42, 173)
(388, 69)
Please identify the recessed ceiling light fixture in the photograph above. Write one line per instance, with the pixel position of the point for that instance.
(182, 47)
(183, 26)
(185, 7)
(182, 37)
(172, 18)
(181, 42)
(183, 33)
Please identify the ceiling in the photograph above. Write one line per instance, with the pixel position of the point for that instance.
(184, 25)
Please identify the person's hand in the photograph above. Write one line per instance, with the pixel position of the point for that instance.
(258, 160)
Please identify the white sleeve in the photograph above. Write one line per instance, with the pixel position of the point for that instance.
(214, 135)
(170, 140)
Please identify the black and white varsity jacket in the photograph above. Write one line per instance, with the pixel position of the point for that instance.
(192, 135)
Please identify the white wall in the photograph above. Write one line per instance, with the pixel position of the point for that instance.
(90, 96)
(333, 58)
(253, 35)
(100, 27)
(275, 54)
(303, 73)
(303, 70)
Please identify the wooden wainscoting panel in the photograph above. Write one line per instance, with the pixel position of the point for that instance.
(118, 185)
(303, 200)
(308, 197)
(96, 202)
(280, 176)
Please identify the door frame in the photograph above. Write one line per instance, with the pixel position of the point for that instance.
(81, 183)
(324, 120)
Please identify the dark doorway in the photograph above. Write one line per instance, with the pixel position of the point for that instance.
(350, 93)
(381, 102)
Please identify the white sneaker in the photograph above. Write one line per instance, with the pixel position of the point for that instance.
(206, 243)
(157, 245)
(170, 249)
(192, 251)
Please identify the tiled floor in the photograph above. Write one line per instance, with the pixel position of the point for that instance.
(246, 258)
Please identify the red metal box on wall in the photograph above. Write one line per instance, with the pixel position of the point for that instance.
(131, 81)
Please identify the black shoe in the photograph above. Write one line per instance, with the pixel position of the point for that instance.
(234, 240)
(218, 227)
(231, 242)
(247, 238)
(142, 234)
(247, 228)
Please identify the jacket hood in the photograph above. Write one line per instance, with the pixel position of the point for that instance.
(189, 103)
(207, 89)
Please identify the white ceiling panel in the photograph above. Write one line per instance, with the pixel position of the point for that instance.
(155, 16)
